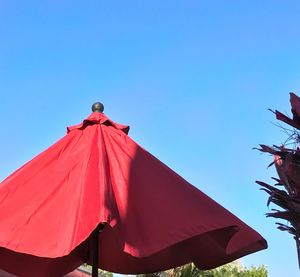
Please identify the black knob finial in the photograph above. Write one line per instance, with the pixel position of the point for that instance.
(98, 107)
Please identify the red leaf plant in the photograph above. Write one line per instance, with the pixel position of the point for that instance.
(285, 193)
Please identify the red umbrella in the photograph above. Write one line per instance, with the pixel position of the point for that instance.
(96, 177)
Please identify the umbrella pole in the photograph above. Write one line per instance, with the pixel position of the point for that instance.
(298, 248)
(95, 245)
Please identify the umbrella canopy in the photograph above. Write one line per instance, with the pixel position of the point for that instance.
(154, 219)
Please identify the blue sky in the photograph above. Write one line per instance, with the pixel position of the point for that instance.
(193, 79)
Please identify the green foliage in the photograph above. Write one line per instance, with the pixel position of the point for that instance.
(229, 270)
(101, 273)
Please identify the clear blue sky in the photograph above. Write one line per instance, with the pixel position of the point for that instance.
(193, 79)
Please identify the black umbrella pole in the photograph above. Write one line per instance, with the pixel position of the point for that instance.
(298, 248)
(95, 243)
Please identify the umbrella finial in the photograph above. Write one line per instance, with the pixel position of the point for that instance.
(98, 107)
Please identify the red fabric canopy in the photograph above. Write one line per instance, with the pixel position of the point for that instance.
(98, 174)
